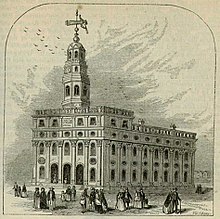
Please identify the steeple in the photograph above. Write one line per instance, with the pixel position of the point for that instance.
(75, 80)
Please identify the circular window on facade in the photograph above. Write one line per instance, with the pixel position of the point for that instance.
(166, 165)
(80, 134)
(112, 162)
(136, 137)
(42, 134)
(187, 143)
(147, 139)
(125, 136)
(92, 133)
(156, 164)
(135, 163)
(177, 143)
(41, 160)
(54, 134)
(158, 140)
(186, 166)
(92, 161)
(145, 163)
(167, 141)
(176, 165)
(113, 135)
(124, 162)
(67, 134)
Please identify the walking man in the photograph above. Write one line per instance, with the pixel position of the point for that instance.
(175, 199)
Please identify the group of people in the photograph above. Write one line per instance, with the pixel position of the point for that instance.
(69, 195)
(124, 199)
(171, 203)
(43, 199)
(20, 192)
(95, 201)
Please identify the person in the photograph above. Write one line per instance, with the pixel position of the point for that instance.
(120, 204)
(103, 201)
(54, 178)
(63, 196)
(19, 191)
(168, 204)
(137, 199)
(16, 189)
(51, 198)
(176, 199)
(127, 198)
(83, 200)
(24, 191)
(68, 194)
(37, 198)
(143, 199)
(74, 193)
(92, 203)
(98, 204)
(43, 199)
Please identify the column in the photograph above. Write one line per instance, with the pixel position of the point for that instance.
(151, 150)
(99, 161)
(48, 144)
(190, 154)
(161, 167)
(140, 174)
(193, 167)
(118, 176)
(171, 167)
(103, 159)
(73, 161)
(86, 163)
(181, 166)
(129, 160)
(60, 146)
(35, 150)
(107, 166)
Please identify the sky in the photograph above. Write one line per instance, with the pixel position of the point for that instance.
(157, 61)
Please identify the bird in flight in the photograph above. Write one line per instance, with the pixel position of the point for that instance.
(50, 49)
(58, 37)
(52, 53)
(42, 39)
(62, 48)
(55, 46)
(38, 50)
(38, 34)
(36, 45)
(26, 27)
(25, 31)
(39, 30)
(46, 45)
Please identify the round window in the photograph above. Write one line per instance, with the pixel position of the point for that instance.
(54, 134)
(124, 162)
(113, 135)
(67, 134)
(125, 136)
(145, 163)
(135, 163)
(166, 165)
(167, 141)
(112, 162)
(92, 133)
(177, 143)
(80, 134)
(41, 134)
(158, 140)
(92, 161)
(176, 165)
(136, 137)
(147, 139)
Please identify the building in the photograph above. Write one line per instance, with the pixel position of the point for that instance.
(102, 146)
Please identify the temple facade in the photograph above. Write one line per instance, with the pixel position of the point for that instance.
(102, 146)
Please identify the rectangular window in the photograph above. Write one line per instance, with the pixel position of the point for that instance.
(41, 123)
(112, 175)
(93, 121)
(80, 122)
(55, 123)
(125, 124)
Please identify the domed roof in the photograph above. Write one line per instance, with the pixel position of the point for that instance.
(76, 45)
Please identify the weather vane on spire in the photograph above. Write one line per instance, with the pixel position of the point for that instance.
(79, 21)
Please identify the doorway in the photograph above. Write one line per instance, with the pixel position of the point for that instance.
(66, 173)
(54, 173)
(79, 174)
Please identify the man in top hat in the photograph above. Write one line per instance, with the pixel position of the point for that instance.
(51, 197)
(175, 199)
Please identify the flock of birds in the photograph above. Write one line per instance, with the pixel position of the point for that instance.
(42, 43)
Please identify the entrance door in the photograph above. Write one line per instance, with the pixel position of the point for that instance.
(66, 173)
(79, 174)
(54, 173)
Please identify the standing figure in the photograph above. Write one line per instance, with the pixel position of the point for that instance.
(24, 191)
(51, 198)
(19, 191)
(83, 200)
(92, 197)
(37, 198)
(176, 199)
(68, 194)
(98, 203)
(168, 204)
(137, 199)
(16, 189)
(43, 199)
(143, 199)
(103, 201)
(127, 198)
(120, 204)
(74, 193)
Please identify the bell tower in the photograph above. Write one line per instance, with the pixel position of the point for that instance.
(75, 80)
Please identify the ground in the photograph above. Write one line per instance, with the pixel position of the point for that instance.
(192, 204)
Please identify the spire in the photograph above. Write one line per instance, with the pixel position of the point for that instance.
(79, 21)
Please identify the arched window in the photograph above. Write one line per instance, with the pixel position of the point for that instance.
(176, 176)
(92, 149)
(113, 149)
(134, 176)
(155, 176)
(145, 175)
(92, 175)
(42, 172)
(54, 149)
(76, 54)
(76, 90)
(76, 69)
(41, 148)
(55, 123)
(67, 149)
(80, 148)
(156, 154)
(165, 176)
(123, 175)
(113, 122)
(67, 90)
(166, 154)
(176, 155)
(185, 176)
(186, 156)
(134, 151)
(145, 153)
(112, 175)
(125, 124)
(124, 151)
(41, 123)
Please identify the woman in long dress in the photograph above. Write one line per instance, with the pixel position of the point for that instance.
(168, 204)
(120, 204)
(37, 198)
(137, 200)
(43, 199)
(24, 191)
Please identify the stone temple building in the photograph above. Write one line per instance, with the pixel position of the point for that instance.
(102, 146)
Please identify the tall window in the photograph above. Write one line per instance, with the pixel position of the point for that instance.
(76, 69)
(165, 176)
(134, 175)
(42, 172)
(93, 121)
(80, 122)
(76, 54)
(54, 123)
(113, 149)
(155, 176)
(176, 155)
(92, 149)
(113, 122)
(112, 175)
(80, 148)
(84, 91)
(166, 154)
(67, 149)
(125, 124)
(145, 153)
(176, 176)
(41, 148)
(41, 123)
(124, 151)
(76, 90)
(92, 175)
(123, 175)
(186, 156)
(145, 175)
(134, 151)
(185, 176)
(54, 149)
(67, 90)
(156, 154)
